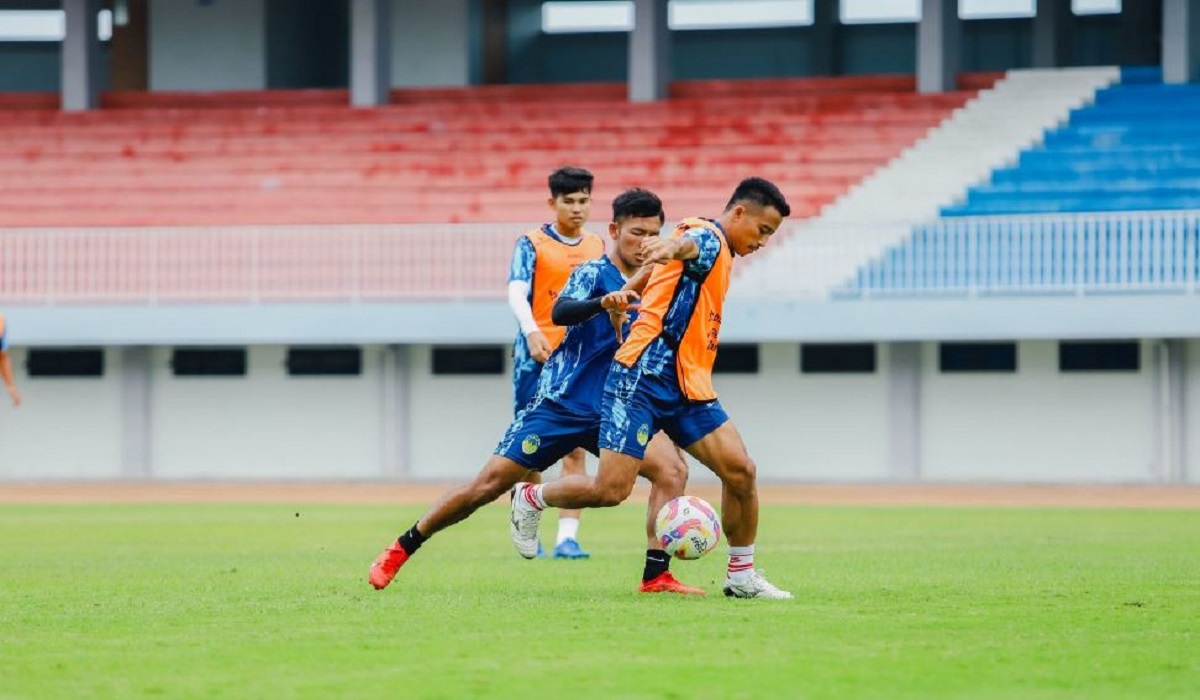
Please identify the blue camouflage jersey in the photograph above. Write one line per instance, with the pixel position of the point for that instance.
(659, 358)
(574, 374)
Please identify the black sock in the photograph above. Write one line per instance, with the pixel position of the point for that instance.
(657, 563)
(412, 540)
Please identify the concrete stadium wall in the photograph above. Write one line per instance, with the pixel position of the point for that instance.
(208, 46)
(1191, 402)
(266, 425)
(252, 44)
(430, 43)
(1035, 425)
(821, 427)
(67, 428)
(1038, 425)
(455, 421)
(859, 49)
(256, 44)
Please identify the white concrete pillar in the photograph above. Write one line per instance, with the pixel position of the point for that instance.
(1181, 41)
(904, 411)
(80, 88)
(649, 52)
(1050, 32)
(136, 421)
(370, 52)
(396, 409)
(938, 38)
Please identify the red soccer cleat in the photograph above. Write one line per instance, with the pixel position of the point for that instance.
(386, 565)
(667, 583)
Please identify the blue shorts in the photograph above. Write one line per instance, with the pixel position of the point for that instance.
(545, 432)
(637, 405)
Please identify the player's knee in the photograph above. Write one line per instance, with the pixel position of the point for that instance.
(741, 475)
(574, 463)
(612, 493)
(674, 476)
(488, 488)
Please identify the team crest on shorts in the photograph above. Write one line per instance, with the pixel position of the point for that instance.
(530, 444)
(643, 434)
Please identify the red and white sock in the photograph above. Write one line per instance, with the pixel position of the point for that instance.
(531, 495)
(741, 563)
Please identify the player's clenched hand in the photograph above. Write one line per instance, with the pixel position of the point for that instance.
(14, 396)
(539, 347)
(620, 300)
(658, 250)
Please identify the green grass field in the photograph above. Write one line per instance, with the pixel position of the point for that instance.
(209, 601)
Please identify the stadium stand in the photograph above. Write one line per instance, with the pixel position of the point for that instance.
(1137, 148)
(444, 155)
(1054, 221)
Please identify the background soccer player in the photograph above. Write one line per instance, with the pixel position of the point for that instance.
(661, 379)
(542, 261)
(6, 372)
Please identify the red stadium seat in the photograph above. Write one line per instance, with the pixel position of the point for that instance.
(478, 154)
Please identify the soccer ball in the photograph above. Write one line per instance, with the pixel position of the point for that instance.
(687, 527)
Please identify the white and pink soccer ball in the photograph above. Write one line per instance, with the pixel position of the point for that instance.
(687, 527)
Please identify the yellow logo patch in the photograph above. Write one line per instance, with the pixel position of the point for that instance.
(531, 444)
(643, 434)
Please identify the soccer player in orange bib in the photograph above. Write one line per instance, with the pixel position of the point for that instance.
(6, 372)
(661, 379)
(542, 261)
(565, 413)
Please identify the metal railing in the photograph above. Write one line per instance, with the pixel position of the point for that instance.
(1075, 254)
(255, 265)
(1051, 254)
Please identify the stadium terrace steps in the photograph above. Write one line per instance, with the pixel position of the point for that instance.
(988, 132)
(444, 154)
(1137, 148)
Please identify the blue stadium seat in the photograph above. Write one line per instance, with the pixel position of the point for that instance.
(1137, 148)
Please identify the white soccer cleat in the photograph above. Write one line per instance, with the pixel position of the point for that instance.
(756, 586)
(523, 521)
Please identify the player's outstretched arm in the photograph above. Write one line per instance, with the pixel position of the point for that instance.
(6, 374)
(570, 312)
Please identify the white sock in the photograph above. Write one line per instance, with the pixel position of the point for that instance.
(568, 529)
(741, 563)
(532, 495)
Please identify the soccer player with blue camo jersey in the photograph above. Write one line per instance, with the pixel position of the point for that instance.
(6, 372)
(661, 380)
(564, 415)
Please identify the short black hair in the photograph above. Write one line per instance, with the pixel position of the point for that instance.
(637, 202)
(763, 193)
(569, 180)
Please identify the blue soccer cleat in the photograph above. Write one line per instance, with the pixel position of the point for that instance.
(541, 553)
(570, 549)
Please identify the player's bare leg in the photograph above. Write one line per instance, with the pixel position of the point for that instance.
(498, 475)
(566, 544)
(611, 485)
(725, 454)
(664, 467)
